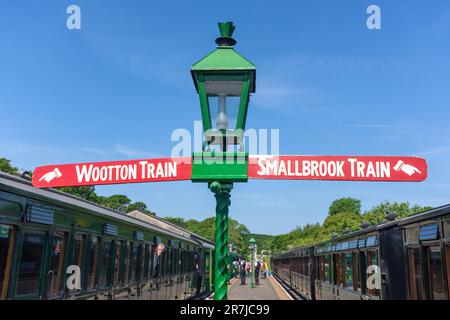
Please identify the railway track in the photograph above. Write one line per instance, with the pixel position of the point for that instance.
(290, 291)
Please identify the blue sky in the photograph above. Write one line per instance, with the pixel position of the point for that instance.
(117, 88)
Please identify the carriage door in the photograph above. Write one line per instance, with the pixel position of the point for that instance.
(30, 266)
(55, 271)
(7, 241)
(415, 274)
(436, 284)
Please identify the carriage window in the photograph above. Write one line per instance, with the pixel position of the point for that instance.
(163, 263)
(305, 266)
(447, 229)
(134, 260)
(140, 263)
(362, 271)
(126, 262)
(172, 261)
(117, 261)
(327, 268)
(146, 267)
(319, 269)
(298, 265)
(103, 276)
(415, 274)
(333, 269)
(7, 235)
(93, 253)
(153, 262)
(167, 262)
(30, 264)
(177, 261)
(342, 271)
(436, 285)
(338, 269)
(129, 265)
(56, 264)
(356, 276)
(183, 263)
(349, 270)
(77, 257)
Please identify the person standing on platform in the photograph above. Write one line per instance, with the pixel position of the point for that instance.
(263, 270)
(242, 272)
(248, 267)
(269, 272)
(257, 269)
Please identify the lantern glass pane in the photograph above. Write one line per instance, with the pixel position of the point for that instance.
(223, 98)
(228, 119)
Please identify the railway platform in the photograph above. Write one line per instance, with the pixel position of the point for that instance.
(268, 289)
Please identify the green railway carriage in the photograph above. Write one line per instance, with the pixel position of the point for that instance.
(57, 246)
(400, 259)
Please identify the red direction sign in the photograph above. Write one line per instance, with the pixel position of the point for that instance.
(343, 168)
(340, 168)
(114, 172)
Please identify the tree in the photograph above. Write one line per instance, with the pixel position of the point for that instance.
(140, 206)
(377, 214)
(5, 166)
(117, 202)
(345, 205)
(238, 233)
(181, 222)
(84, 192)
(338, 222)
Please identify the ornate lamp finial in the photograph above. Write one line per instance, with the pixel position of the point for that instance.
(226, 32)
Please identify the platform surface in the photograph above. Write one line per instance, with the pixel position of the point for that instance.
(268, 289)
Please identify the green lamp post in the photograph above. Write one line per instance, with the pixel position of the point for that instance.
(252, 243)
(224, 80)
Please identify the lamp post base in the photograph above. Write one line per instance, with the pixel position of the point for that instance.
(222, 195)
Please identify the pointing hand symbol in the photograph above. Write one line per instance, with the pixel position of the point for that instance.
(406, 168)
(49, 176)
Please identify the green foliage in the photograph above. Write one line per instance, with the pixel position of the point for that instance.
(377, 214)
(238, 234)
(264, 241)
(117, 202)
(345, 205)
(85, 192)
(5, 166)
(300, 236)
(181, 222)
(337, 223)
(140, 206)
